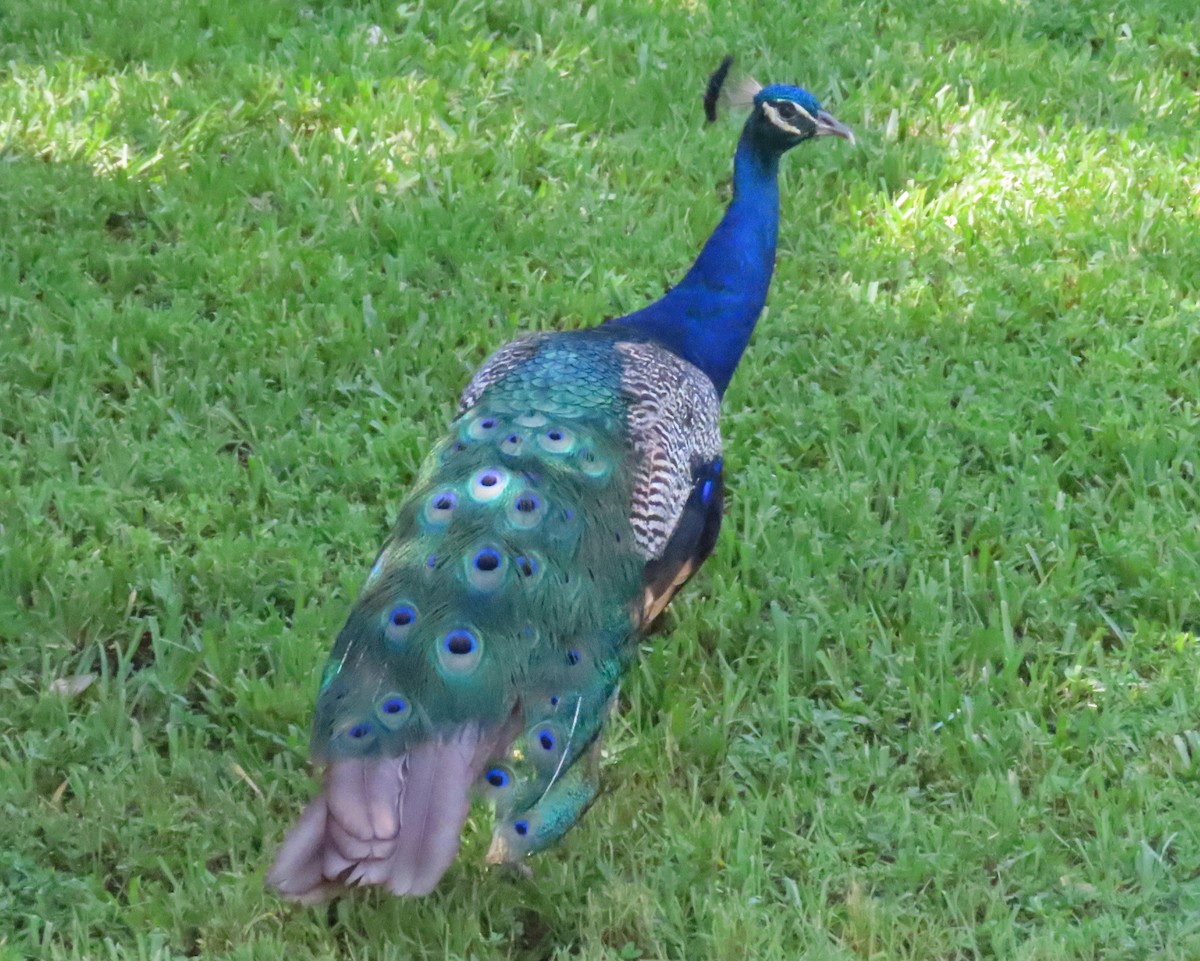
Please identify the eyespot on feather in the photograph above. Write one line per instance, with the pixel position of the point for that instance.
(359, 733)
(527, 510)
(488, 484)
(393, 711)
(482, 428)
(486, 569)
(498, 778)
(459, 651)
(556, 440)
(512, 444)
(593, 465)
(527, 565)
(440, 507)
(399, 623)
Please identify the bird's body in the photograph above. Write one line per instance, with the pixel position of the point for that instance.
(578, 487)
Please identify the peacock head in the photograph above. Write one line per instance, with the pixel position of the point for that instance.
(785, 116)
(782, 115)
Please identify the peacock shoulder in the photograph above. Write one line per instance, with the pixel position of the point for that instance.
(674, 425)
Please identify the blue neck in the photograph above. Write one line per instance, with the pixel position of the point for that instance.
(708, 317)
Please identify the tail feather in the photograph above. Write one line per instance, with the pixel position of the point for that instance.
(404, 864)
(441, 837)
(393, 821)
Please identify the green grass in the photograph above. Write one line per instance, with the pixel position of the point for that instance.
(935, 697)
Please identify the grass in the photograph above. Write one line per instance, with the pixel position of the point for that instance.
(936, 695)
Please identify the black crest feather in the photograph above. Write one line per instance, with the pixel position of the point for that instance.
(713, 90)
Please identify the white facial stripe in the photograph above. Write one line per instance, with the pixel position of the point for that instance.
(773, 116)
(804, 113)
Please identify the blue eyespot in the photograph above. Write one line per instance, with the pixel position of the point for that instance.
(488, 484)
(441, 506)
(487, 559)
(554, 700)
(460, 643)
(486, 569)
(400, 621)
(527, 566)
(527, 509)
(431, 561)
(497, 777)
(393, 711)
(480, 429)
(546, 740)
(459, 651)
(521, 827)
(556, 441)
(359, 731)
(573, 658)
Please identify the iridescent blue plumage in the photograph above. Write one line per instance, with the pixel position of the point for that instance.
(579, 486)
(707, 319)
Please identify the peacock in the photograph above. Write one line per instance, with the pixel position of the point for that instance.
(579, 485)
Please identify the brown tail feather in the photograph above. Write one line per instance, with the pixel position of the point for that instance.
(392, 821)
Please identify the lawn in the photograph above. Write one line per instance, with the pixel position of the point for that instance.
(936, 695)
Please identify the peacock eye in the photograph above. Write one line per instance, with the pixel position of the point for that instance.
(459, 652)
(440, 507)
(488, 484)
(400, 620)
(392, 711)
(556, 440)
(487, 559)
(486, 569)
(460, 643)
(497, 777)
(521, 827)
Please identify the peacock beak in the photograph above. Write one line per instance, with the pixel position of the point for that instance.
(829, 125)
